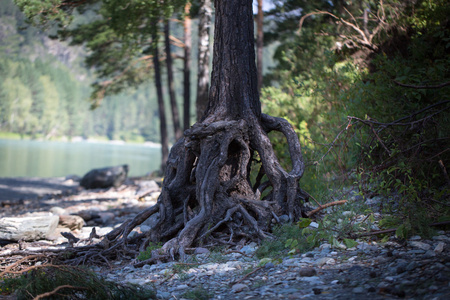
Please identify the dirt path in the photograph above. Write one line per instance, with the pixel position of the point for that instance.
(21, 188)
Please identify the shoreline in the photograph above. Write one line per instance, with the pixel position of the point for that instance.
(78, 139)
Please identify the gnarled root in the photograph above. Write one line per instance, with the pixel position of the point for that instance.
(208, 196)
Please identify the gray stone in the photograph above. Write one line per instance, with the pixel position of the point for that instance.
(374, 201)
(71, 222)
(314, 280)
(429, 254)
(420, 245)
(325, 261)
(239, 287)
(58, 211)
(308, 272)
(358, 290)
(355, 269)
(314, 225)
(106, 217)
(441, 238)
(249, 249)
(415, 238)
(283, 219)
(415, 252)
(439, 247)
(163, 295)
(269, 265)
(411, 266)
(181, 287)
(105, 177)
(362, 246)
(292, 262)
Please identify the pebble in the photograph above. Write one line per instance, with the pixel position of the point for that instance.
(358, 290)
(325, 261)
(239, 287)
(439, 247)
(308, 272)
(420, 245)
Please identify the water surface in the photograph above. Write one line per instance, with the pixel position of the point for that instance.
(28, 158)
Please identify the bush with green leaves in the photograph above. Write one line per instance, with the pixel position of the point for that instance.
(397, 143)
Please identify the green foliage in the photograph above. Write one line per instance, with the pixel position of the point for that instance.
(288, 237)
(199, 293)
(316, 86)
(147, 253)
(337, 228)
(83, 284)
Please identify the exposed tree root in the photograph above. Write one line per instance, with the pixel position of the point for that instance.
(208, 195)
(207, 191)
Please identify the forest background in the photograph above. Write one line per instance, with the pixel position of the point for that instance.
(364, 83)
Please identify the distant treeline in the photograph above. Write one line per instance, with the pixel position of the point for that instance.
(44, 90)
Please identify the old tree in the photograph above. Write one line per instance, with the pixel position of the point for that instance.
(208, 196)
(223, 183)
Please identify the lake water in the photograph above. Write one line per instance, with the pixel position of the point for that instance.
(27, 158)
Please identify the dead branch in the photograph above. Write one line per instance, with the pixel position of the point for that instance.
(17, 263)
(397, 123)
(41, 296)
(444, 171)
(309, 195)
(309, 214)
(252, 272)
(419, 87)
(395, 229)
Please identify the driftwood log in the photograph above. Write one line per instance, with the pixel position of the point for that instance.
(27, 228)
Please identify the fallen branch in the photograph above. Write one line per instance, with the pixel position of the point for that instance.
(236, 251)
(252, 272)
(395, 229)
(419, 87)
(444, 171)
(309, 214)
(44, 295)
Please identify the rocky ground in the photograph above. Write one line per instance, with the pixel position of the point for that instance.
(414, 269)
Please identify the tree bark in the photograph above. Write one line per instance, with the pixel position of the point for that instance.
(259, 43)
(161, 106)
(187, 67)
(205, 14)
(171, 84)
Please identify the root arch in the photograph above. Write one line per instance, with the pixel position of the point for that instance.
(207, 195)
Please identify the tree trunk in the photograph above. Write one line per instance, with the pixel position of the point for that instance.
(208, 196)
(187, 67)
(205, 14)
(259, 43)
(170, 82)
(161, 108)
